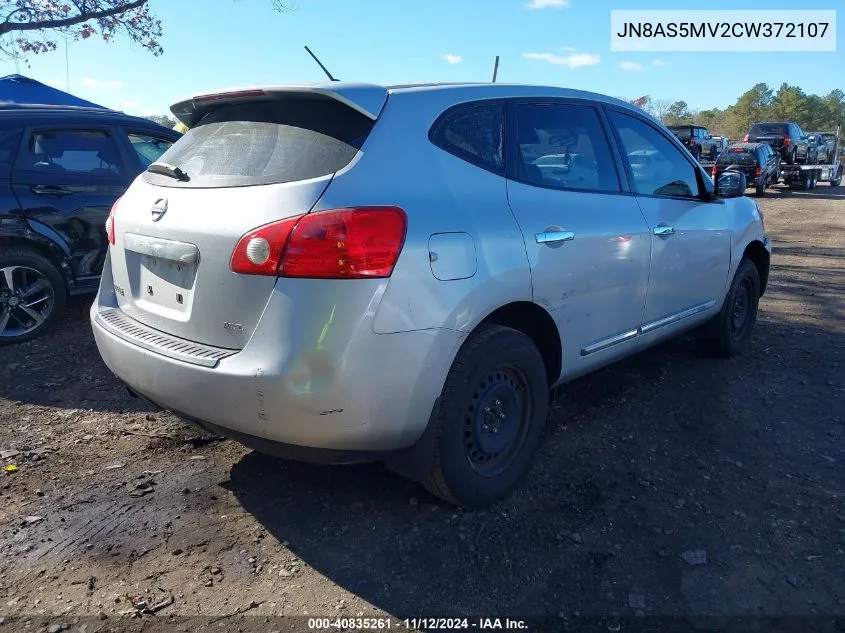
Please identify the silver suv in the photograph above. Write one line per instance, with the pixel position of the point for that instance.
(349, 272)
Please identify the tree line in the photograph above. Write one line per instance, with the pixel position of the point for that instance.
(761, 103)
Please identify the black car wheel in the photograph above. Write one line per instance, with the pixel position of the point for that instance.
(760, 188)
(32, 295)
(791, 157)
(490, 418)
(729, 331)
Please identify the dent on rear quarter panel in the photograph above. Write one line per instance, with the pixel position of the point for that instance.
(453, 197)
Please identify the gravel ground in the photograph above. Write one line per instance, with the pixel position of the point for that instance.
(668, 485)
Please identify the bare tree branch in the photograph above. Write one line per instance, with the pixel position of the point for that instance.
(82, 16)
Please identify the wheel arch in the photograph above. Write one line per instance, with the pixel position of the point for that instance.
(756, 252)
(538, 325)
(43, 247)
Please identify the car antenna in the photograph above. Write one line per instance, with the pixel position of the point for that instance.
(325, 70)
(495, 69)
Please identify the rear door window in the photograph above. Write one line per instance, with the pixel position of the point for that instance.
(148, 147)
(565, 147)
(736, 156)
(90, 152)
(473, 133)
(267, 142)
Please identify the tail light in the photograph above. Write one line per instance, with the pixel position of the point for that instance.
(758, 172)
(745, 140)
(713, 171)
(110, 223)
(352, 243)
(786, 140)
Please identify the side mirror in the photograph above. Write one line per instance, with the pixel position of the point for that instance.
(730, 184)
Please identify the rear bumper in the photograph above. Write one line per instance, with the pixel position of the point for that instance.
(356, 394)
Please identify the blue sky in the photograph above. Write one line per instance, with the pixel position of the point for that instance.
(243, 42)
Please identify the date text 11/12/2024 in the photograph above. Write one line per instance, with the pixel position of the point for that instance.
(416, 624)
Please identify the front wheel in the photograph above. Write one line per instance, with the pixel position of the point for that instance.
(490, 419)
(32, 295)
(729, 331)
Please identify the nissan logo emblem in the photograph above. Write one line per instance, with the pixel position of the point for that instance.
(159, 209)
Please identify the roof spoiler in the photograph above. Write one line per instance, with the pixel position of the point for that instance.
(368, 99)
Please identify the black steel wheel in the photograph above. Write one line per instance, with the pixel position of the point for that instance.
(490, 418)
(730, 330)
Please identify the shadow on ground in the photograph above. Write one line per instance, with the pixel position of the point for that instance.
(665, 453)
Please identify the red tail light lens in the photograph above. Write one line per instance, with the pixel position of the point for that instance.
(758, 172)
(259, 252)
(110, 223)
(713, 171)
(338, 244)
(786, 140)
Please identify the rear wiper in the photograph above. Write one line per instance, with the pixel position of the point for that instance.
(166, 169)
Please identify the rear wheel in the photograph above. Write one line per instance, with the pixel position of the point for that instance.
(790, 157)
(32, 295)
(490, 419)
(760, 188)
(835, 182)
(728, 332)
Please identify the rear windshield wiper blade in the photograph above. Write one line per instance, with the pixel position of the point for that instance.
(165, 169)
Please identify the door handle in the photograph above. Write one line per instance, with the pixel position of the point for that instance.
(664, 231)
(548, 237)
(50, 190)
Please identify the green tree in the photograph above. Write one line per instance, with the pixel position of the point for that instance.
(166, 121)
(791, 104)
(754, 105)
(678, 113)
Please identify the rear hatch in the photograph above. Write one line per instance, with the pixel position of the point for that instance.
(249, 159)
(772, 133)
(741, 159)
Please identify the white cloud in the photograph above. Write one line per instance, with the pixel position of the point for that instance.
(630, 66)
(453, 59)
(88, 82)
(150, 113)
(547, 4)
(658, 62)
(130, 104)
(573, 60)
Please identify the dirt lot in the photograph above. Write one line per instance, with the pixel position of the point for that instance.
(645, 464)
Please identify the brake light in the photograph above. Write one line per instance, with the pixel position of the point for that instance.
(713, 171)
(238, 94)
(786, 140)
(758, 172)
(351, 243)
(110, 223)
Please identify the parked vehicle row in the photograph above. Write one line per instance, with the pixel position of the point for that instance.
(787, 138)
(62, 169)
(277, 276)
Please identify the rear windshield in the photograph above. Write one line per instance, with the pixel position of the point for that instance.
(683, 133)
(264, 143)
(737, 156)
(768, 129)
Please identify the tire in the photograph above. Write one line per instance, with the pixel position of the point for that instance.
(729, 331)
(760, 189)
(835, 182)
(790, 158)
(30, 272)
(813, 181)
(497, 375)
(714, 153)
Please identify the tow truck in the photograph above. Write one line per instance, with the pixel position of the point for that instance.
(807, 176)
